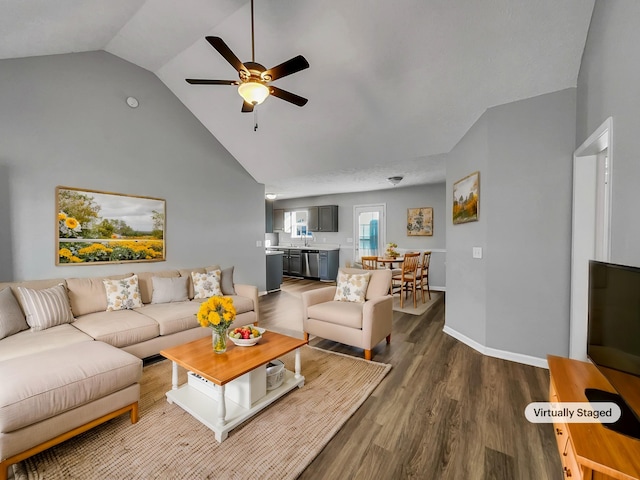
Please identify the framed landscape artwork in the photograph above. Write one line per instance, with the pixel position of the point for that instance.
(466, 199)
(420, 221)
(96, 227)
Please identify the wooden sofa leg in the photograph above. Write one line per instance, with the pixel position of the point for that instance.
(367, 354)
(306, 337)
(134, 413)
(388, 339)
(3, 470)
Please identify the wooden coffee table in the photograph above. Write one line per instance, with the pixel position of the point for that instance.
(225, 389)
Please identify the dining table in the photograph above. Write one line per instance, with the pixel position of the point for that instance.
(389, 261)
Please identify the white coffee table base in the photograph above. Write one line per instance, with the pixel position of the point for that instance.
(218, 412)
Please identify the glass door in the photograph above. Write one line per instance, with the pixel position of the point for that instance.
(370, 227)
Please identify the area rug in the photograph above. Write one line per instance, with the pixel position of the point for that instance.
(420, 307)
(168, 443)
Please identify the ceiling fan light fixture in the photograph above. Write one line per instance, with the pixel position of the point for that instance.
(394, 180)
(271, 196)
(253, 93)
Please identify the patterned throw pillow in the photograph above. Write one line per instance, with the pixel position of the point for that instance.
(46, 308)
(226, 280)
(352, 287)
(206, 285)
(123, 294)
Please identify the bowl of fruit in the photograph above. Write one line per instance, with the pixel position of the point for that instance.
(246, 336)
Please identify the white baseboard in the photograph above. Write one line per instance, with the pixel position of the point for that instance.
(494, 352)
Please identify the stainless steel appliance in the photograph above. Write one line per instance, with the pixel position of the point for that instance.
(311, 263)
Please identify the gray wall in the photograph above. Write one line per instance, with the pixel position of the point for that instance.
(608, 86)
(64, 121)
(466, 276)
(516, 298)
(397, 200)
(528, 267)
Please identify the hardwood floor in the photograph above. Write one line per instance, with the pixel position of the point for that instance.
(444, 411)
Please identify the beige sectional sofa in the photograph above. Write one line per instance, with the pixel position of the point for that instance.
(62, 380)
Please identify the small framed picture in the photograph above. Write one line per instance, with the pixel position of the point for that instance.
(466, 199)
(420, 221)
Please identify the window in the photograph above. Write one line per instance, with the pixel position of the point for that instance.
(295, 223)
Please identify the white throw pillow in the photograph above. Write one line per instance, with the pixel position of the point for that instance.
(172, 289)
(123, 294)
(11, 317)
(352, 287)
(206, 285)
(46, 308)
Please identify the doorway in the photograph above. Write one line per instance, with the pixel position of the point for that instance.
(591, 232)
(369, 222)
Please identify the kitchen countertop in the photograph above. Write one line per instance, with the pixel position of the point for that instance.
(268, 252)
(302, 247)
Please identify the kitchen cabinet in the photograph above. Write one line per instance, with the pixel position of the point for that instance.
(329, 262)
(295, 263)
(278, 219)
(292, 262)
(323, 218)
(274, 271)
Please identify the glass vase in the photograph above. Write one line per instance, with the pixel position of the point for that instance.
(219, 340)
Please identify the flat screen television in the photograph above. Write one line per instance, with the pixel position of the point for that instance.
(614, 332)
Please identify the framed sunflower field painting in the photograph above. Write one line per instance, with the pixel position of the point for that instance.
(96, 227)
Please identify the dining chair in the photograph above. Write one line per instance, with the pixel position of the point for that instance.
(407, 279)
(423, 274)
(369, 262)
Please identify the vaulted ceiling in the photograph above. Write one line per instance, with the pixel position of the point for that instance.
(392, 85)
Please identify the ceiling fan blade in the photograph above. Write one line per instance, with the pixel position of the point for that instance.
(247, 107)
(287, 68)
(225, 51)
(196, 81)
(288, 96)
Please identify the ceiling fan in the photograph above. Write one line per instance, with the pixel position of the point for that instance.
(254, 83)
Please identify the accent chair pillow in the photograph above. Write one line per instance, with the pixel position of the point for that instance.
(207, 284)
(46, 308)
(352, 287)
(123, 294)
(170, 289)
(11, 317)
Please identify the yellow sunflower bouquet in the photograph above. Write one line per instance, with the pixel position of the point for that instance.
(217, 313)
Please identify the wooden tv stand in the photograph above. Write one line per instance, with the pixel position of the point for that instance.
(590, 451)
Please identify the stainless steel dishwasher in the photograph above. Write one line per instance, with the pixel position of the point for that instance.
(311, 263)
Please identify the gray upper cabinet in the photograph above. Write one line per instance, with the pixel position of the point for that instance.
(312, 219)
(278, 219)
(323, 218)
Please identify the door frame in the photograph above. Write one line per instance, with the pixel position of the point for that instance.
(584, 229)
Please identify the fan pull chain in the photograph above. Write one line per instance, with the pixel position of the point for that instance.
(255, 120)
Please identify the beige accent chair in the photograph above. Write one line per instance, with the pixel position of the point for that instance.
(361, 325)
